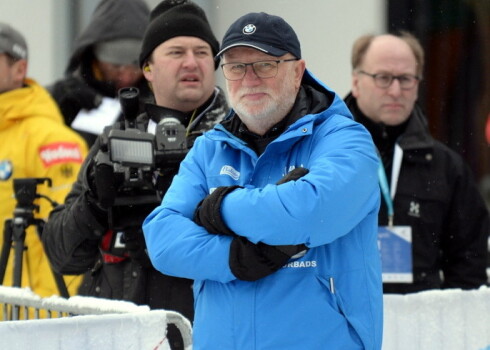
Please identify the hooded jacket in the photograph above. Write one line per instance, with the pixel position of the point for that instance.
(437, 196)
(111, 20)
(36, 144)
(331, 297)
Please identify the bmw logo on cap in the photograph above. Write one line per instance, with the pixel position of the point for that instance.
(249, 29)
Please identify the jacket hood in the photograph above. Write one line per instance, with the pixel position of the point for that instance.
(31, 100)
(112, 19)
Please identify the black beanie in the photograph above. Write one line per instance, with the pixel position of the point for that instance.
(173, 18)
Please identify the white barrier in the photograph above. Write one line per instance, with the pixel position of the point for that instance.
(437, 320)
(76, 305)
(141, 330)
(101, 324)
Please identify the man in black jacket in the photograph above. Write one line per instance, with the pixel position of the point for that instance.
(433, 221)
(105, 59)
(177, 58)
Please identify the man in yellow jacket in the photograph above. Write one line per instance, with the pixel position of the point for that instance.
(35, 143)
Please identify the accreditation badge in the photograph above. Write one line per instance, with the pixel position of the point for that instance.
(395, 245)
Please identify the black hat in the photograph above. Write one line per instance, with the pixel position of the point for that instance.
(267, 33)
(12, 42)
(173, 18)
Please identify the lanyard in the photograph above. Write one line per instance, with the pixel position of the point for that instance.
(383, 181)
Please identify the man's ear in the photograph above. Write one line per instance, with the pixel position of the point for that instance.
(355, 84)
(299, 72)
(147, 72)
(19, 70)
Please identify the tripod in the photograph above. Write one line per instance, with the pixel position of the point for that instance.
(14, 232)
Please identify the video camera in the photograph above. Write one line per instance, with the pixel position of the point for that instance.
(134, 159)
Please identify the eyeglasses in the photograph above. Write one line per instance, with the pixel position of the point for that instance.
(263, 69)
(384, 80)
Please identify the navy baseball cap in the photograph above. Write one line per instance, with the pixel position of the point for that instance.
(267, 33)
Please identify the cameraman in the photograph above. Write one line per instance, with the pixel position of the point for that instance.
(177, 58)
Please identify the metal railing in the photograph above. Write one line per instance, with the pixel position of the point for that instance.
(21, 304)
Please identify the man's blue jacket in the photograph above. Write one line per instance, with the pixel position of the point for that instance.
(330, 298)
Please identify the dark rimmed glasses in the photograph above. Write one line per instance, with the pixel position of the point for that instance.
(263, 69)
(384, 80)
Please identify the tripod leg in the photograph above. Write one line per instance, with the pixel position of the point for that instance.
(19, 234)
(7, 244)
(60, 283)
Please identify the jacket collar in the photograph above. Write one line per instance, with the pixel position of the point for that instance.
(413, 134)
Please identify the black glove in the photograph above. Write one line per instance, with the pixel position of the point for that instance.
(208, 211)
(250, 262)
(101, 184)
(136, 247)
(72, 95)
(101, 181)
(105, 185)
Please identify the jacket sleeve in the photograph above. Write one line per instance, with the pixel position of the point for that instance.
(339, 191)
(176, 245)
(73, 230)
(464, 245)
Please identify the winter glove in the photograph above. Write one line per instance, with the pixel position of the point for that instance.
(136, 247)
(102, 190)
(72, 95)
(250, 262)
(105, 184)
(208, 211)
(101, 181)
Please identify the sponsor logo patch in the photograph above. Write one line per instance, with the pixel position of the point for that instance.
(6, 170)
(230, 171)
(66, 170)
(414, 209)
(300, 264)
(60, 152)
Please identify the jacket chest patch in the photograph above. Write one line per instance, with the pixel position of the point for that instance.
(230, 171)
(414, 209)
(6, 170)
(60, 152)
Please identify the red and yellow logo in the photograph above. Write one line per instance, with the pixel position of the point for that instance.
(60, 152)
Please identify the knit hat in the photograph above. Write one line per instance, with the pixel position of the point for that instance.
(12, 42)
(173, 18)
(267, 33)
